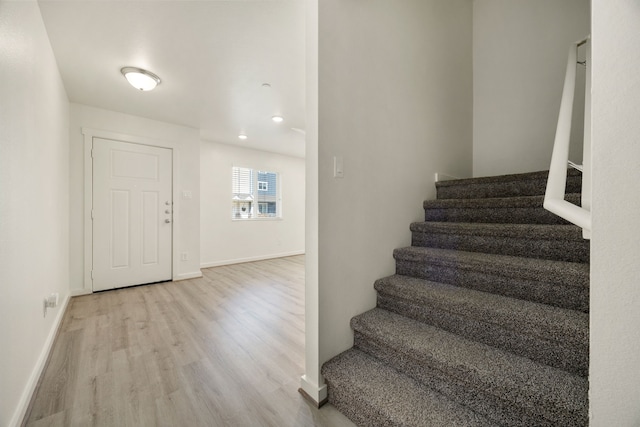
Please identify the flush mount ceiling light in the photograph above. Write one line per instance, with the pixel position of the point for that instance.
(242, 136)
(277, 119)
(140, 79)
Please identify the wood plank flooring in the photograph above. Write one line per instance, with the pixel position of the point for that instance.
(223, 350)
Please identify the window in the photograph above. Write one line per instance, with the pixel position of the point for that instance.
(254, 194)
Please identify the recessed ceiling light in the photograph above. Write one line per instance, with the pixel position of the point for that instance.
(242, 136)
(140, 79)
(277, 119)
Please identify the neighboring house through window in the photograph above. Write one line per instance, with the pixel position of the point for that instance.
(255, 194)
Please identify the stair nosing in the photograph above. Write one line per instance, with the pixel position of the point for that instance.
(497, 265)
(565, 232)
(493, 202)
(514, 177)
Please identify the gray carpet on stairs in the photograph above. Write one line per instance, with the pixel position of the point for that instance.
(543, 241)
(515, 185)
(485, 321)
(551, 335)
(560, 283)
(517, 210)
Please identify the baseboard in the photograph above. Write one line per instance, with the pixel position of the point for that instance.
(187, 276)
(444, 177)
(249, 259)
(27, 394)
(314, 394)
(79, 292)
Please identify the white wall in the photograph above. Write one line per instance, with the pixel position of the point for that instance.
(224, 241)
(395, 99)
(184, 140)
(34, 194)
(520, 50)
(615, 244)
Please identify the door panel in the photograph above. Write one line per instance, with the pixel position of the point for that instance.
(120, 235)
(151, 228)
(132, 214)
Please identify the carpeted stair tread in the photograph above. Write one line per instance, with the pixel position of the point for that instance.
(561, 272)
(545, 241)
(519, 210)
(458, 367)
(560, 283)
(513, 185)
(547, 334)
(373, 394)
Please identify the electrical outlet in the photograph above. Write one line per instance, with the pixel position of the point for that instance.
(184, 256)
(50, 302)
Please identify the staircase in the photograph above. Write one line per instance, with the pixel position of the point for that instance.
(485, 321)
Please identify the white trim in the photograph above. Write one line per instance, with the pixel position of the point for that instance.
(249, 259)
(186, 276)
(32, 383)
(318, 394)
(444, 177)
(89, 135)
(80, 292)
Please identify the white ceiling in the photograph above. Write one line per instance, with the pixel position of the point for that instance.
(212, 56)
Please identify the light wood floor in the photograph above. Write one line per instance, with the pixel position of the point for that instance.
(223, 350)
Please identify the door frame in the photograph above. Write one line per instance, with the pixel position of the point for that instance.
(89, 135)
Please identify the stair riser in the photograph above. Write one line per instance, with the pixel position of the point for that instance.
(360, 413)
(517, 188)
(559, 354)
(517, 411)
(542, 291)
(558, 250)
(493, 216)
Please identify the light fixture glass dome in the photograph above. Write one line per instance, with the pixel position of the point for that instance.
(140, 79)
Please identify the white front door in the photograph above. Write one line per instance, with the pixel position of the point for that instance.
(132, 214)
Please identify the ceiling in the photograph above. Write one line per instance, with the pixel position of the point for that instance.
(213, 58)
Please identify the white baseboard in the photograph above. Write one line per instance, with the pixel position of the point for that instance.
(28, 391)
(249, 259)
(444, 177)
(313, 391)
(186, 276)
(79, 292)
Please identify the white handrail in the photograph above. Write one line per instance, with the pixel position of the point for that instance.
(554, 196)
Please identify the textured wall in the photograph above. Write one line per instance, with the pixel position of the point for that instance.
(395, 101)
(34, 197)
(520, 50)
(615, 244)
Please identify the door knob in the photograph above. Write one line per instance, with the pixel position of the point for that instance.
(167, 221)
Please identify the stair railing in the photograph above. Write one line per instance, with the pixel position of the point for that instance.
(555, 193)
